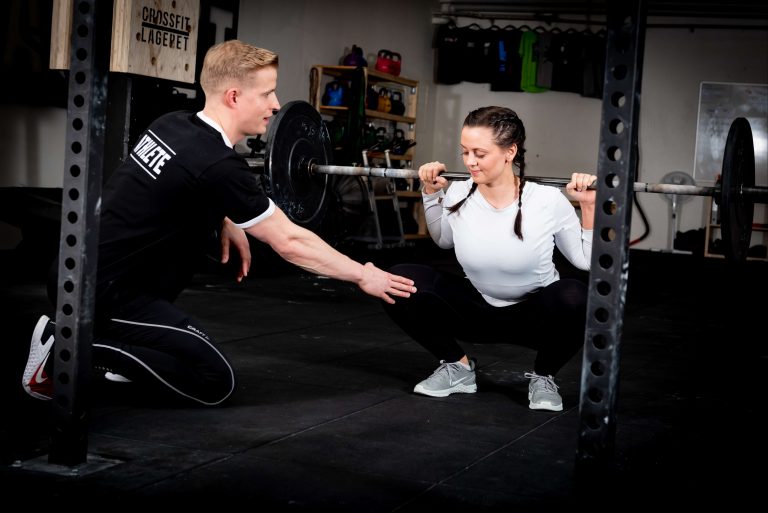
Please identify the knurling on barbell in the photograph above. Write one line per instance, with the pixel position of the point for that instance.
(298, 154)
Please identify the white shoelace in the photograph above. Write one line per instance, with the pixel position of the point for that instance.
(447, 367)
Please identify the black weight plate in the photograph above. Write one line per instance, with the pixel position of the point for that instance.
(297, 137)
(737, 211)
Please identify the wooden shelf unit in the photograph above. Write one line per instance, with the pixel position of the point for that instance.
(404, 202)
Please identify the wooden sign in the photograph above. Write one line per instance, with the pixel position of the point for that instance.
(61, 24)
(155, 38)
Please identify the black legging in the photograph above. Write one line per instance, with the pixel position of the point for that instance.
(164, 350)
(447, 308)
(160, 348)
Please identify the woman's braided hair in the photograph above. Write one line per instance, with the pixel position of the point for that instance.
(507, 130)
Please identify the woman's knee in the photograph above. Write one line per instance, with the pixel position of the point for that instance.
(571, 295)
(416, 272)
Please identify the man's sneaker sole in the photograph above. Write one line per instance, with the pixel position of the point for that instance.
(39, 352)
(460, 389)
(116, 378)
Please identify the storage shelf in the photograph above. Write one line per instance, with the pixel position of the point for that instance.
(344, 71)
(327, 109)
(405, 207)
(389, 117)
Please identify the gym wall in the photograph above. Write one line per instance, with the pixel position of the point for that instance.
(562, 128)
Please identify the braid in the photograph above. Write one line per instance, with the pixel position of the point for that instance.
(520, 161)
(455, 207)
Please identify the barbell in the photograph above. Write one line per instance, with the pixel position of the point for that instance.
(297, 163)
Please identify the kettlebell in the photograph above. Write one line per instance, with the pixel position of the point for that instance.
(371, 98)
(397, 138)
(398, 107)
(334, 94)
(388, 62)
(385, 103)
(336, 131)
(355, 58)
(369, 135)
(382, 141)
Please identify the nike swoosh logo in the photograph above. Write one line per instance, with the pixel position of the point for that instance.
(454, 383)
(39, 378)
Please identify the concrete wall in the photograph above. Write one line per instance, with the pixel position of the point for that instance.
(563, 128)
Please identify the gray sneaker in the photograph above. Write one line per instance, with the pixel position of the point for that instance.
(542, 393)
(449, 378)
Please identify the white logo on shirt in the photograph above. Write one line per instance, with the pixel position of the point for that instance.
(151, 154)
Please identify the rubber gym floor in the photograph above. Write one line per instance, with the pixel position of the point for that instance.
(324, 417)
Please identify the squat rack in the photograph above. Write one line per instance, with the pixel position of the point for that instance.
(86, 120)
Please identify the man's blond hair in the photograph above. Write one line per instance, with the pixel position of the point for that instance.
(231, 62)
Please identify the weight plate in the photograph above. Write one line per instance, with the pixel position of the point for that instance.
(296, 138)
(737, 210)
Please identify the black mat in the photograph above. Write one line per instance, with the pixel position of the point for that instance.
(324, 416)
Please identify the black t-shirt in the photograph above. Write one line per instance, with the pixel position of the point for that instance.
(161, 206)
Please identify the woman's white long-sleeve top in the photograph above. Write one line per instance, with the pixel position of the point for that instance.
(503, 268)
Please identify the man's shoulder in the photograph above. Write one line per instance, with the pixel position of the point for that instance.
(189, 138)
(186, 120)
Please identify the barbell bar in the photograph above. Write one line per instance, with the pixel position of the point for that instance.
(760, 194)
(656, 188)
(297, 163)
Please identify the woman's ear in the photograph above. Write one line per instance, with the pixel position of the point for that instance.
(511, 153)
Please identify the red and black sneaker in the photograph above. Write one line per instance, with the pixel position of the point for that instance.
(37, 381)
